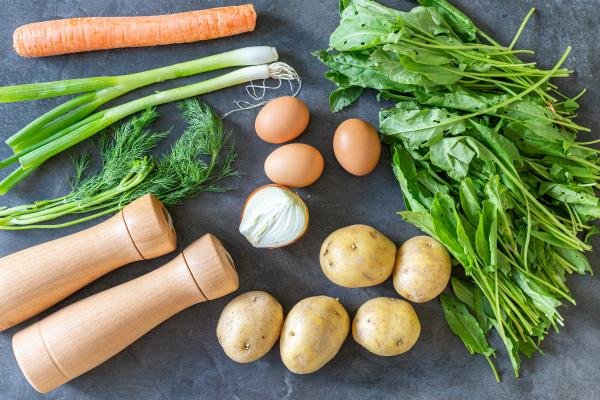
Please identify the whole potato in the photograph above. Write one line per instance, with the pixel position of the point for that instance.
(422, 269)
(386, 326)
(357, 256)
(249, 326)
(313, 333)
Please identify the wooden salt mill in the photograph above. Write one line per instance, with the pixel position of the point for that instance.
(37, 278)
(83, 335)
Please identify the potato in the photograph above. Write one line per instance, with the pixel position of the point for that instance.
(357, 256)
(386, 326)
(313, 333)
(249, 326)
(422, 269)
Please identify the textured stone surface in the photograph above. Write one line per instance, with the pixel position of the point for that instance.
(181, 359)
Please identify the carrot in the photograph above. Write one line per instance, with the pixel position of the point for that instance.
(75, 35)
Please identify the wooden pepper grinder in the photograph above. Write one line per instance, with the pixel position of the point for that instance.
(83, 335)
(35, 279)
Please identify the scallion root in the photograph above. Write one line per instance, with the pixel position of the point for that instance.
(277, 70)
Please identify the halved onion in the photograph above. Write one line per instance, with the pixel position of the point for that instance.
(273, 216)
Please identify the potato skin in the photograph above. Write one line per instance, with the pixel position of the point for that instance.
(357, 256)
(249, 326)
(313, 333)
(386, 326)
(422, 269)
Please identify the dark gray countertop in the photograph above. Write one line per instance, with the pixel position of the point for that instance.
(181, 358)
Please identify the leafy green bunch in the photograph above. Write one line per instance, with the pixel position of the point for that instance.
(431, 54)
(485, 151)
(197, 162)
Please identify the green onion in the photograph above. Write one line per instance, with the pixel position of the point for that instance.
(78, 118)
(237, 58)
(31, 158)
(104, 89)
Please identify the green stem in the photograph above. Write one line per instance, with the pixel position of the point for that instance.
(89, 121)
(133, 179)
(548, 285)
(39, 155)
(520, 30)
(496, 63)
(44, 90)
(38, 205)
(235, 58)
(9, 160)
(30, 136)
(63, 225)
(493, 367)
(48, 117)
(502, 53)
(14, 178)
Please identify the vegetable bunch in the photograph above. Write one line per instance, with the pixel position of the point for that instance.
(198, 160)
(78, 118)
(485, 151)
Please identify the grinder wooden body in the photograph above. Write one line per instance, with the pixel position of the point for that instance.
(85, 334)
(35, 279)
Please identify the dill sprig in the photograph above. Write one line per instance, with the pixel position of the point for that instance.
(197, 162)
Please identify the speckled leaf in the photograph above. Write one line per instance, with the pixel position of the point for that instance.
(459, 22)
(421, 127)
(363, 24)
(342, 97)
(568, 194)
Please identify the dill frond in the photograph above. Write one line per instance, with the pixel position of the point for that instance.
(197, 161)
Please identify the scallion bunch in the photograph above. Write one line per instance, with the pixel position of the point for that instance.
(79, 118)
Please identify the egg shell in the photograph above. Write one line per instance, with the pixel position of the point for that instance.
(281, 120)
(356, 146)
(294, 165)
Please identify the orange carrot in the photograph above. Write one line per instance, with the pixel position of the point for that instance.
(75, 35)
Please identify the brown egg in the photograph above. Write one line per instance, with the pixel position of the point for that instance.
(294, 165)
(357, 146)
(281, 120)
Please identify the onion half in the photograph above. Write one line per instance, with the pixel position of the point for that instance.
(273, 216)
